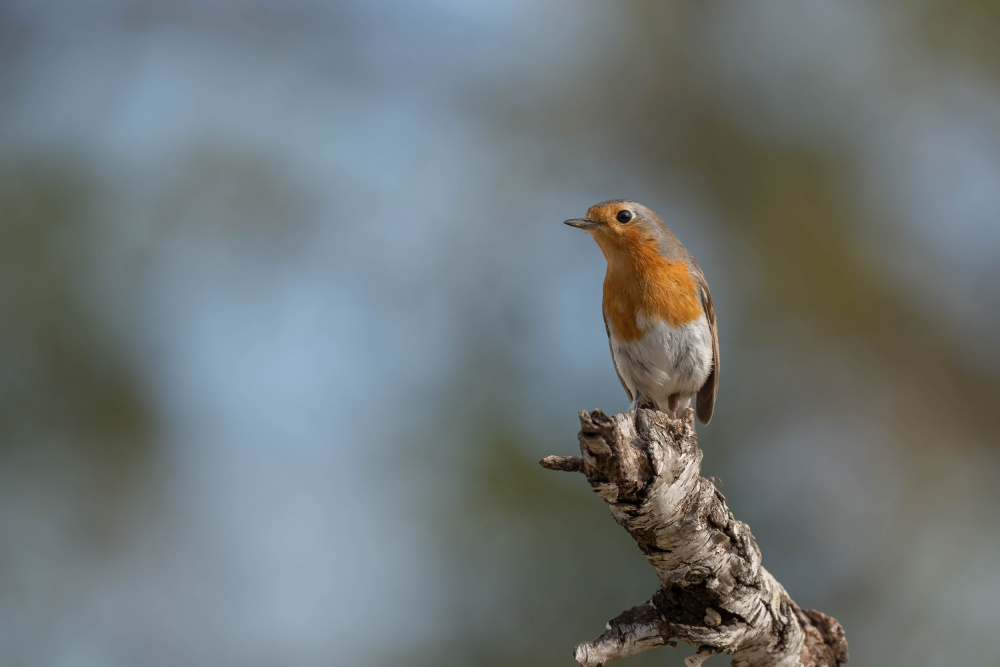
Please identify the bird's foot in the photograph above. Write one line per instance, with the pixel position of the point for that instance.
(635, 420)
(639, 403)
(633, 412)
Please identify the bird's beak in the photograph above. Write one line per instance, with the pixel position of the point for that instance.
(581, 223)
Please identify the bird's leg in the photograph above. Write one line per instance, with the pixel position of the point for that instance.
(634, 410)
(672, 401)
(684, 404)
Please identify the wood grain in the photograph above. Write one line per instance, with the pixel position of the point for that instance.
(714, 593)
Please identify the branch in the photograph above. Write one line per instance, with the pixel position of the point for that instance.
(713, 593)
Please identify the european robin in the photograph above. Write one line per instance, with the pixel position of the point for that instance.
(658, 311)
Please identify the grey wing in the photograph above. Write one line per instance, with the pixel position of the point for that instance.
(710, 390)
(607, 330)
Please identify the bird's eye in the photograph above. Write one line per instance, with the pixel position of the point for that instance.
(624, 216)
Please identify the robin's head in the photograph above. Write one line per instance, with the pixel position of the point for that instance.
(619, 225)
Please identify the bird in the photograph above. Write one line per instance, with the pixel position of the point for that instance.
(658, 311)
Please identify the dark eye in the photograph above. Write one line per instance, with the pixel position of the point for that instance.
(624, 216)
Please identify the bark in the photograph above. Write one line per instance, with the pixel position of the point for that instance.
(714, 593)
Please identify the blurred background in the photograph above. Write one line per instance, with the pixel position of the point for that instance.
(288, 316)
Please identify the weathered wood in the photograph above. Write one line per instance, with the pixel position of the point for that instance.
(714, 593)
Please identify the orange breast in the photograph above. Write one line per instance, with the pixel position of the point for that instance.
(642, 282)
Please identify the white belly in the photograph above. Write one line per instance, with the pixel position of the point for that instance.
(666, 360)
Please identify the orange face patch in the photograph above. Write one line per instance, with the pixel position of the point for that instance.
(640, 281)
(604, 212)
(611, 234)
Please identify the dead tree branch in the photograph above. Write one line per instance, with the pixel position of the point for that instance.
(713, 593)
